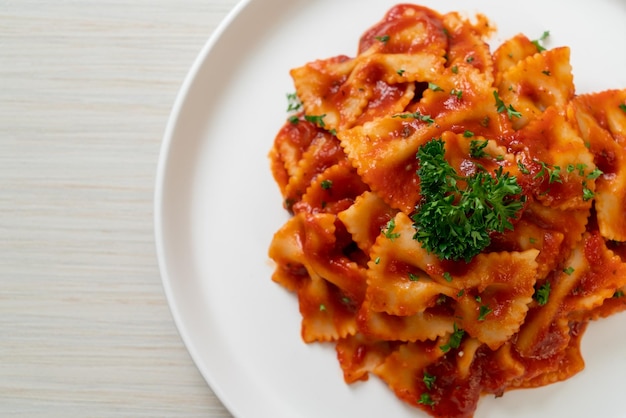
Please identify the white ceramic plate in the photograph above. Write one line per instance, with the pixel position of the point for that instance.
(217, 208)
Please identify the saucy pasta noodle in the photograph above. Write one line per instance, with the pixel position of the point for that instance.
(378, 163)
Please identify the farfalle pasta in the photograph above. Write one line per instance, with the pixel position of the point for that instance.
(440, 326)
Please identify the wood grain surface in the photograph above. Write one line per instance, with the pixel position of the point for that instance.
(86, 88)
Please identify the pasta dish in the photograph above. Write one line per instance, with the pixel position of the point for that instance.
(457, 212)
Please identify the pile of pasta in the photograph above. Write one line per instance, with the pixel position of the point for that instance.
(439, 332)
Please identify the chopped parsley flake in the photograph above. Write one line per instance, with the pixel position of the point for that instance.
(400, 72)
(522, 168)
(594, 174)
(415, 115)
(383, 38)
(457, 93)
(434, 87)
(428, 380)
(623, 106)
(483, 312)
(501, 107)
(413, 277)
(468, 134)
(316, 119)
(425, 399)
(388, 230)
(455, 69)
(326, 184)
(322, 307)
(447, 276)
(542, 294)
(618, 294)
(538, 42)
(569, 270)
(477, 148)
(454, 341)
(293, 102)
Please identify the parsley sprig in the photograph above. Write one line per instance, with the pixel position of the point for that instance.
(455, 222)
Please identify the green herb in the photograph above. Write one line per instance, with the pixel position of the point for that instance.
(377, 260)
(429, 380)
(333, 132)
(447, 276)
(346, 300)
(434, 87)
(501, 107)
(546, 72)
(388, 230)
(478, 299)
(415, 115)
(455, 223)
(532, 240)
(587, 192)
(400, 72)
(569, 270)
(623, 106)
(455, 69)
(425, 399)
(383, 38)
(542, 294)
(322, 307)
(461, 293)
(293, 102)
(522, 168)
(316, 119)
(326, 184)
(477, 148)
(618, 294)
(537, 42)
(469, 59)
(457, 93)
(454, 341)
(468, 134)
(413, 277)
(483, 312)
(554, 172)
(594, 174)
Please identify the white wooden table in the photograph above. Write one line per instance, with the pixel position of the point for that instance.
(86, 87)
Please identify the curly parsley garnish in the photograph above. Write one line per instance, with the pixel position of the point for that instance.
(455, 222)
